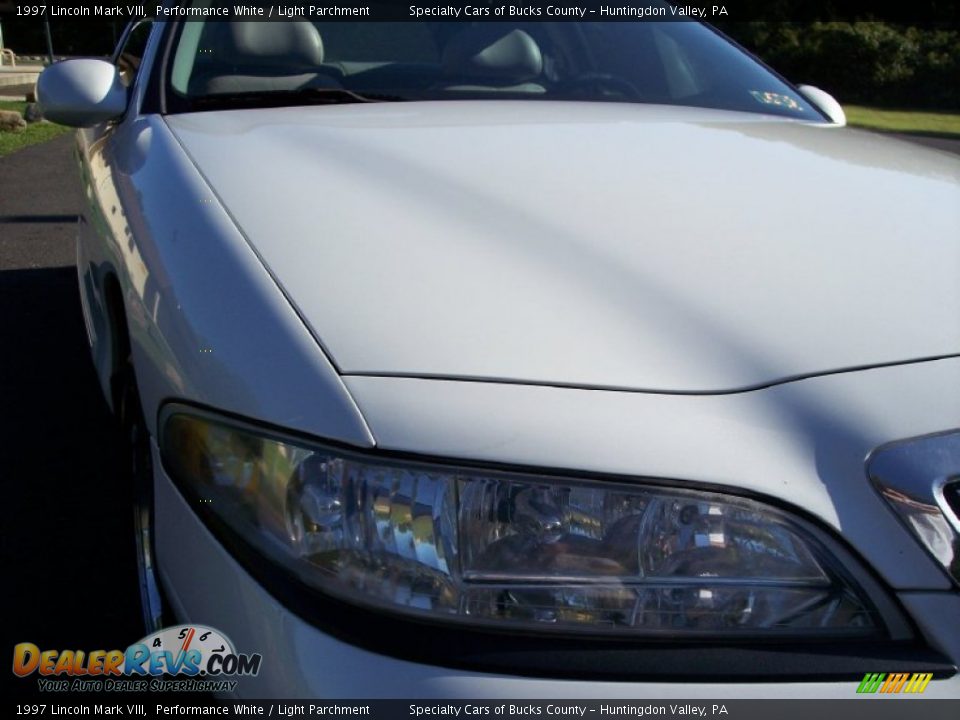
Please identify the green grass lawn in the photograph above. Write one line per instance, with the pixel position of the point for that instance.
(941, 124)
(31, 135)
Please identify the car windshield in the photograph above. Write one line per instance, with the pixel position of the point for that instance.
(223, 64)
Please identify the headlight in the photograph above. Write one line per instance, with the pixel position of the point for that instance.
(515, 550)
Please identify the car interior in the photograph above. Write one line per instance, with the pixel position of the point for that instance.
(253, 57)
(665, 63)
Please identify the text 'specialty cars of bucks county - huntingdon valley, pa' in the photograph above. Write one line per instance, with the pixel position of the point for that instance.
(522, 359)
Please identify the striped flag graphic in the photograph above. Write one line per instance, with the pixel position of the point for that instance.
(889, 683)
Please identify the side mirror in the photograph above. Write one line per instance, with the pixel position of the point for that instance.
(825, 102)
(81, 92)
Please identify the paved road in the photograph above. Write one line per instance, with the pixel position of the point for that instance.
(67, 531)
(67, 542)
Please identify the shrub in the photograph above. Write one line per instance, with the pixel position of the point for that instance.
(862, 62)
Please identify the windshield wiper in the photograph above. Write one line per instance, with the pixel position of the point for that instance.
(281, 98)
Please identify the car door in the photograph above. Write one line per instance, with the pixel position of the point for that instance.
(104, 243)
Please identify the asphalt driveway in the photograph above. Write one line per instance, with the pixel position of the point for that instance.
(67, 542)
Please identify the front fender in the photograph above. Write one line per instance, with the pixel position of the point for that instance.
(207, 323)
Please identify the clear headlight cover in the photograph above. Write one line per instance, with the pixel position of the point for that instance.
(515, 550)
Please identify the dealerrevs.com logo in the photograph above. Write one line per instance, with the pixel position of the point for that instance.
(201, 659)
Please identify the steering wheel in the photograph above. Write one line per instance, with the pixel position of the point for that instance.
(620, 85)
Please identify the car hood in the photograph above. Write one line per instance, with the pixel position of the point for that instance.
(597, 245)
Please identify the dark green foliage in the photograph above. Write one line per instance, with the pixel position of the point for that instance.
(871, 63)
(71, 36)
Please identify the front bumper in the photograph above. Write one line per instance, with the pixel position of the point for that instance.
(206, 585)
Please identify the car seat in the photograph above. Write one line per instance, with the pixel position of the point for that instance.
(488, 57)
(262, 56)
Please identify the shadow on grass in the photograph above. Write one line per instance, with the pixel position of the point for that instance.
(33, 134)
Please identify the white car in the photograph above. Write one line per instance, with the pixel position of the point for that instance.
(523, 359)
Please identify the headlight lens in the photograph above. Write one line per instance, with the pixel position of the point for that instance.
(514, 550)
